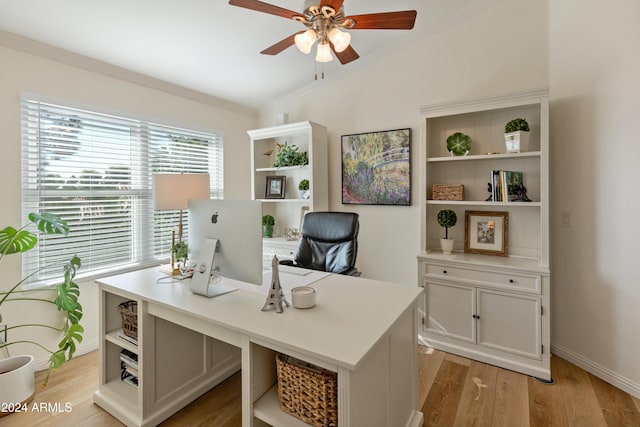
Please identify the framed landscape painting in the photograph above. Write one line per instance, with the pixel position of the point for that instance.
(376, 168)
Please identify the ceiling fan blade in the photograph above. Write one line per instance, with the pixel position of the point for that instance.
(335, 4)
(347, 55)
(281, 45)
(266, 8)
(403, 20)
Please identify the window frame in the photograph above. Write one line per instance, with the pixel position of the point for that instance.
(149, 227)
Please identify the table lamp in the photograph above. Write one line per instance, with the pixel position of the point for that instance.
(173, 191)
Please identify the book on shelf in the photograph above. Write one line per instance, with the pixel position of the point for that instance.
(129, 369)
(127, 338)
(130, 379)
(506, 186)
(129, 358)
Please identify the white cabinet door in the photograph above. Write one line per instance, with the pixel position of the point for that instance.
(510, 322)
(450, 311)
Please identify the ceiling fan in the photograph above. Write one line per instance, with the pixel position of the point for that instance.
(325, 21)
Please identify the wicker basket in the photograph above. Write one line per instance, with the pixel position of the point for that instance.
(307, 392)
(129, 314)
(447, 192)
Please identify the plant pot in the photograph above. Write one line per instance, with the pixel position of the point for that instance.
(304, 194)
(447, 246)
(17, 379)
(267, 231)
(515, 142)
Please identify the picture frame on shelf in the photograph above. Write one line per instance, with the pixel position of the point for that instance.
(303, 211)
(376, 168)
(486, 233)
(275, 187)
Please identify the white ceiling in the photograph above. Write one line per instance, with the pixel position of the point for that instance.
(212, 47)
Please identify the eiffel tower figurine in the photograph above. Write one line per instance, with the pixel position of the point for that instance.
(276, 296)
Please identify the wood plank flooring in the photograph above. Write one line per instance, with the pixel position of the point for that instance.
(453, 391)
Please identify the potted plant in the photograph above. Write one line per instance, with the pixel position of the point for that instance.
(181, 254)
(16, 373)
(459, 144)
(447, 218)
(516, 135)
(268, 221)
(303, 188)
(289, 155)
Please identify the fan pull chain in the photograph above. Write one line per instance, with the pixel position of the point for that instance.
(316, 70)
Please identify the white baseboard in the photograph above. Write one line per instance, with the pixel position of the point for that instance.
(86, 347)
(599, 371)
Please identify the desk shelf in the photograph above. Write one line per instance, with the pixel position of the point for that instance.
(113, 338)
(267, 409)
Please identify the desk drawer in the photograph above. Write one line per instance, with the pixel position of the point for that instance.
(508, 280)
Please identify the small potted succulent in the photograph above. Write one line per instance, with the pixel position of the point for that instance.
(516, 135)
(447, 218)
(268, 221)
(459, 144)
(303, 188)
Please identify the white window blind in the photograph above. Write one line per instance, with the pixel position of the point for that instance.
(95, 171)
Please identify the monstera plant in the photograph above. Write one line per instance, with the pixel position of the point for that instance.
(14, 241)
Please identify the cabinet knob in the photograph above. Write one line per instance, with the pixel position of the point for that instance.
(512, 281)
(444, 271)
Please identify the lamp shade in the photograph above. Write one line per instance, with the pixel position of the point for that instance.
(173, 191)
(305, 40)
(340, 39)
(324, 53)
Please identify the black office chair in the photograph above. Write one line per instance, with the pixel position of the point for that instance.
(329, 243)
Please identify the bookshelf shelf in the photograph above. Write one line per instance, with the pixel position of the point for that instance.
(484, 203)
(477, 157)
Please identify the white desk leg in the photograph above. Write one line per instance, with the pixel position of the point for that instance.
(247, 402)
(258, 376)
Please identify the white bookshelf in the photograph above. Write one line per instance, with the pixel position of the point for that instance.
(489, 308)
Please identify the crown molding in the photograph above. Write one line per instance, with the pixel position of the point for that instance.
(34, 47)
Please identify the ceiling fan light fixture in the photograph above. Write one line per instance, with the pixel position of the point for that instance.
(324, 53)
(304, 41)
(340, 39)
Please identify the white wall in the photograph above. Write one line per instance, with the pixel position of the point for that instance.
(595, 147)
(494, 52)
(587, 54)
(21, 71)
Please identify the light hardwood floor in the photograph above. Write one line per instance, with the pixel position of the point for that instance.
(453, 391)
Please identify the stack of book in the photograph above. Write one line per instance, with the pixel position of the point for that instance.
(129, 366)
(506, 186)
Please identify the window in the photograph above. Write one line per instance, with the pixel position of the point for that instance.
(95, 171)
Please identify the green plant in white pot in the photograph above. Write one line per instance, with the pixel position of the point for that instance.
(303, 188)
(16, 373)
(447, 218)
(516, 135)
(268, 221)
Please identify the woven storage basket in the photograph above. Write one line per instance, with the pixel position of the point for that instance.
(307, 392)
(129, 314)
(448, 192)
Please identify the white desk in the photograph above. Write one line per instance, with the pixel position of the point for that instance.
(364, 330)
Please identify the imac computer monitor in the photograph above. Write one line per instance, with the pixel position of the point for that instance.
(225, 241)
